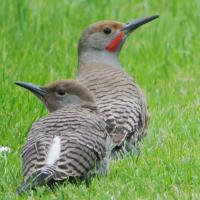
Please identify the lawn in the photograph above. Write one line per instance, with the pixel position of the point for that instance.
(38, 43)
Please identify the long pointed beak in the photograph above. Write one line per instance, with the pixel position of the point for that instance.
(137, 23)
(33, 88)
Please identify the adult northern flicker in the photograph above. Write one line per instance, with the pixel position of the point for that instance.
(70, 142)
(118, 96)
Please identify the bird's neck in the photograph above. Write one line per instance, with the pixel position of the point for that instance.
(91, 57)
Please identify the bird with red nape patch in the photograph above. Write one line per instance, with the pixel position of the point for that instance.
(117, 94)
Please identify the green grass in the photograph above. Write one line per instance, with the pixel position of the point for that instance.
(38, 42)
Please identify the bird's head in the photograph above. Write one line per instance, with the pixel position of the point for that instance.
(60, 93)
(109, 35)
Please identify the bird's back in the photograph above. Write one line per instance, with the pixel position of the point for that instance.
(119, 98)
(70, 139)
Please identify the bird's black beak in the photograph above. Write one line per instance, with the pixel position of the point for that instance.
(38, 91)
(129, 27)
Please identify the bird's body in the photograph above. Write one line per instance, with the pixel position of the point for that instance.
(120, 99)
(118, 96)
(71, 142)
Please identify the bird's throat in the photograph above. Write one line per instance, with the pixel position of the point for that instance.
(114, 45)
(93, 58)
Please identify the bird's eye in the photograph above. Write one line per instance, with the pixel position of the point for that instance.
(61, 92)
(107, 30)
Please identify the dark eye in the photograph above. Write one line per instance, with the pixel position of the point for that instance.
(107, 30)
(61, 92)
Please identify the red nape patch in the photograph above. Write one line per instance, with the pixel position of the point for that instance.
(114, 44)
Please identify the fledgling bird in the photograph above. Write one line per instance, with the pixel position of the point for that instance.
(118, 96)
(70, 142)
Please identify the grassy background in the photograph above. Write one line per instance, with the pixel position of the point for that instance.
(38, 42)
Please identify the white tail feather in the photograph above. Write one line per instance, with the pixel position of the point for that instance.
(54, 151)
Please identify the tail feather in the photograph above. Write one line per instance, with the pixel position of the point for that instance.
(38, 178)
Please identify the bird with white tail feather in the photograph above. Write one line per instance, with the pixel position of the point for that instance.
(71, 142)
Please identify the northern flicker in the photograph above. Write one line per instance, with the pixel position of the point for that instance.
(118, 96)
(70, 142)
